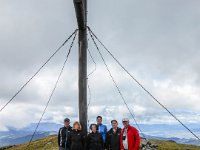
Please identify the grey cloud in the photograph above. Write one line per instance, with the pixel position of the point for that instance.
(156, 40)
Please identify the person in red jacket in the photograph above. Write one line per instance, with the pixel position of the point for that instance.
(129, 138)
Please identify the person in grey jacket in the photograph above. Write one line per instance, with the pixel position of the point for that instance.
(63, 134)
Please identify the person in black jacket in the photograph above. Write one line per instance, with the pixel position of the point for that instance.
(113, 137)
(94, 139)
(76, 137)
(63, 134)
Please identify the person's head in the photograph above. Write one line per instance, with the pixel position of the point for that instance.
(66, 122)
(77, 125)
(125, 122)
(93, 128)
(114, 124)
(99, 119)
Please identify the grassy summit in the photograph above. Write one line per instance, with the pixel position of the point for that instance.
(50, 143)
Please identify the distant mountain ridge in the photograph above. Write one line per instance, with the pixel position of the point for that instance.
(175, 139)
(19, 136)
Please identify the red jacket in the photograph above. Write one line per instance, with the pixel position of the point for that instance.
(133, 139)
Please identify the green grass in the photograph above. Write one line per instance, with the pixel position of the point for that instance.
(50, 143)
(168, 145)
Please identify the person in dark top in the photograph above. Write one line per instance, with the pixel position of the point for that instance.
(76, 137)
(94, 139)
(113, 137)
(63, 134)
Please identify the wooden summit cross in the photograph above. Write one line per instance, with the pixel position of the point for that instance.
(81, 15)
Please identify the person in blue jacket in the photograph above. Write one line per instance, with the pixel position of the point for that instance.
(102, 129)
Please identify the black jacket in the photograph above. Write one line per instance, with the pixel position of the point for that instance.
(113, 139)
(76, 140)
(62, 136)
(94, 141)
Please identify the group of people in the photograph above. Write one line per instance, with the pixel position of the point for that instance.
(72, 138)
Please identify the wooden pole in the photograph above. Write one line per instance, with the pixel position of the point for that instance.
(81, 15)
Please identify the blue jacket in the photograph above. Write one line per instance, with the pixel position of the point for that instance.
(102, 129)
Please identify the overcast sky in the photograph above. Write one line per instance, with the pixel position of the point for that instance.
(157, 41)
